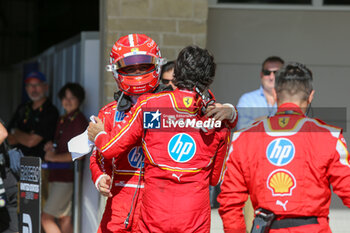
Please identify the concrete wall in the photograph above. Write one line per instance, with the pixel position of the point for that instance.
(172, 24)
(241, 39)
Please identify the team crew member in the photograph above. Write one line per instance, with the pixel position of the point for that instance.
(290, 171)
(135, 73)
(180, 162)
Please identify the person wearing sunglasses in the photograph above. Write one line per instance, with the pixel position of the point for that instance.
(167, 74)
(257, 105)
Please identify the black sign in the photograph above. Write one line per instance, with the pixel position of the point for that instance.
(30, 195)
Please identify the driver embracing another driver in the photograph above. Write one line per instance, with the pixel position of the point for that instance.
(121, 173)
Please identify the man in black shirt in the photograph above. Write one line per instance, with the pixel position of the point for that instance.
(33, 123)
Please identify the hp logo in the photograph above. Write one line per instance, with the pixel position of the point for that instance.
(181, 147)
(136, 157)
(280, 151)
(119, 116)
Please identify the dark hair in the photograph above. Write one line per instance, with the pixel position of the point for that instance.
(194, 67)
(168, 66)
(272, 59)
(75, 88)
(293, 79)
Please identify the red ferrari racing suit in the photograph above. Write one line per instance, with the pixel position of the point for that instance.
(286, 164)
(126, 179)
(180, 160)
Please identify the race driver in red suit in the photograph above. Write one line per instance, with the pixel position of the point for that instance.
(135, 66)
(180, 161)
(286, 163)
(122, 181)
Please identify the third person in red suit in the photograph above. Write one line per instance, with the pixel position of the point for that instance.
(286, 163)
(135, 62)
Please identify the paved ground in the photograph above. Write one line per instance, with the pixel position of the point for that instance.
(338, 221)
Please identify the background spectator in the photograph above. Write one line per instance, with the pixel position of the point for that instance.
(167, 74)
(258, 104)
(33, 123)
(61, 180)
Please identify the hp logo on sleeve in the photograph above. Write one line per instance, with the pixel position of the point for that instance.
(136, 157)
(280, 151)
(119, 116)
(181, 147)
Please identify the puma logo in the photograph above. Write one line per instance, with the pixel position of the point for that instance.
(178, 177)
(278, 202)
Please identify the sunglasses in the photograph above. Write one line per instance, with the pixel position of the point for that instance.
(165, 81)
(268, 72)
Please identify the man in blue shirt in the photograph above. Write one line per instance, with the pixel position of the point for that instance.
(258, 104)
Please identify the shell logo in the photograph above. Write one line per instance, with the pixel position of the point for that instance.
(281, 182)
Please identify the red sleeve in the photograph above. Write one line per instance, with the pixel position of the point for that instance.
(124, 135)
(234, 194)
(339, 171)
(220, 160)
(98, 164)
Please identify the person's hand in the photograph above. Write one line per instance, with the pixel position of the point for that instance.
(50, 156)
(219, 112)
(104, 186)
(49, 146)
(95, 128)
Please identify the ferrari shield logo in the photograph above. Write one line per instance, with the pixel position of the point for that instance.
(187, 101)
(283, 121)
